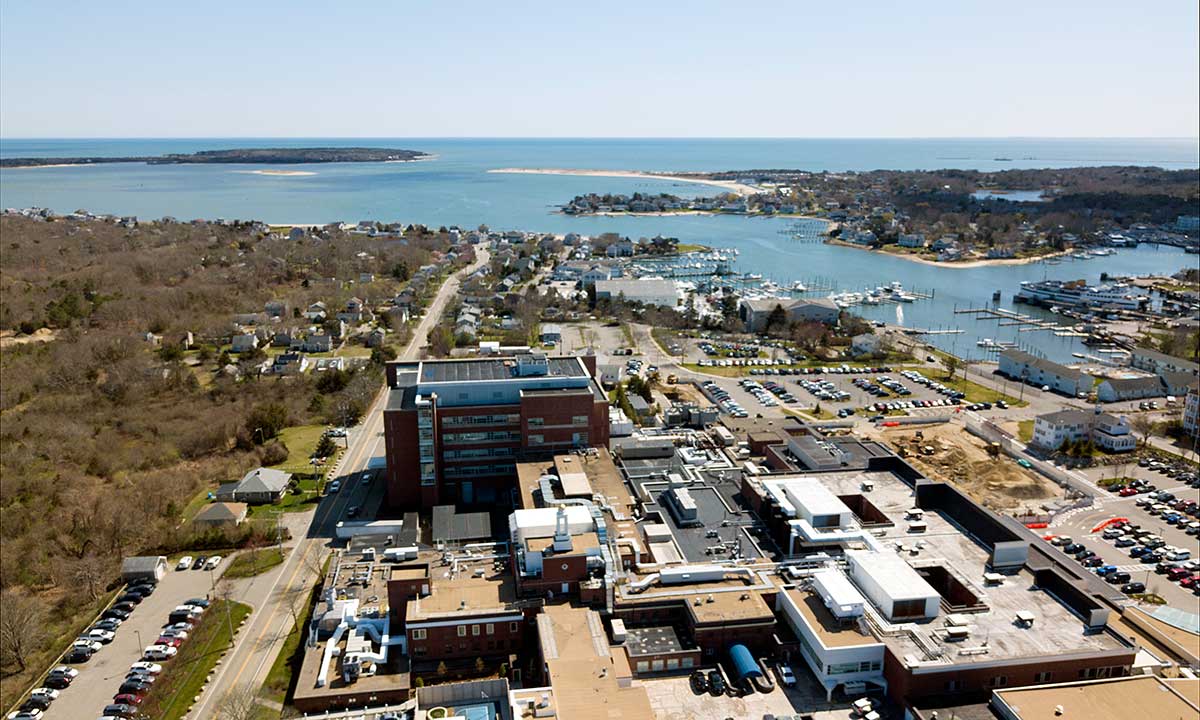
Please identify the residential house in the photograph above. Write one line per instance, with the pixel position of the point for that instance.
(551, 333)
(257, 487)
(246, 342)
(221, 514)
(1191, 413)
(284, 337)
(1118, 389)
(911, 240)
(596, 273)
(355, 312)
(275, 308)
(1020, 365)
(317, 312)
(290, 363)
(620, 248)
(1158, 363)
(865, 344)
(314, 342)
(1052, 430)
(1178, 383)
(376, 338)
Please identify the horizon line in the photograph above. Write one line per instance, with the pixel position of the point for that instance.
(598, 137)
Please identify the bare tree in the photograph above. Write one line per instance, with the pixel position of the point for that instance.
(1143, 426)
(240, 703)
(21, 627)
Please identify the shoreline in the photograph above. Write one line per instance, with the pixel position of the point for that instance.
(276, 173)
(729, 185)
(673, 213)
(961, 265)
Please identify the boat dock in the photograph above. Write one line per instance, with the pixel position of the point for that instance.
(1023, 323)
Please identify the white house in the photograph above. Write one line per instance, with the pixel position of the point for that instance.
(865, 344)
(1053, 430)
(1191, 412)
(1118, 389)
(911, 240)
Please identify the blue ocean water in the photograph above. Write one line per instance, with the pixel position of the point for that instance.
(455, 188)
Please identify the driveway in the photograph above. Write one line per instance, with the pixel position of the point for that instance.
(100, 677)
(672, 699)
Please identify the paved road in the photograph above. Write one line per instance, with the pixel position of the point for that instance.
(100, 677)
(278, 596)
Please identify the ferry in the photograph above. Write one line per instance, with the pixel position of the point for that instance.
(1076, 293)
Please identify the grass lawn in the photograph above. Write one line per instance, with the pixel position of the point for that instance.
(301, 442)
(254, 562)
(183, 675)
(691, 247)
(628, 333)
(286, 667)
(1025, 431)
(308, 496)
(821, 414)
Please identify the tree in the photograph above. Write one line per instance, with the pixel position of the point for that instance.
(776, 319)
(1143, 426)
(951, 363)
(325, 447)
(239, 703)
(21, 627)
(265, 421)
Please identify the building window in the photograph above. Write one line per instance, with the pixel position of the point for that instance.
(579, 420)
(1043, 677)
(536, 422)
(462, 630)
(475, 630)
(687, 662)
(418, 633)
(490, 629)
(512, 627)
(954, 685)
(537, 439)
(643, 666)
(998, 681)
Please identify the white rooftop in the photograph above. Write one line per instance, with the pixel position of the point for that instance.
(895, 577)
(839, 594)
(530, 523)
(804, 496)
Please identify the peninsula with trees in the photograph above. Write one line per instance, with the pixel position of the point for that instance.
(254, 156)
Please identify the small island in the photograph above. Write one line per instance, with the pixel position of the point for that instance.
(246, 156)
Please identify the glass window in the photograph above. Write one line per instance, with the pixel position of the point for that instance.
(536, 422)
(462, 630)
(512, 627)
(490, 629)
(474, 629)
(419, 634)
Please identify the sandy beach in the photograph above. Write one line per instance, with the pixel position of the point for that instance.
(277, 173)
(729, 185)
(961, 265)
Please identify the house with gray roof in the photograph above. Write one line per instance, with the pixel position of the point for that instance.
(1020, 365)
(221, 514)
(1118, 389)
(1159, 363)
(144, 567)
(258, 487)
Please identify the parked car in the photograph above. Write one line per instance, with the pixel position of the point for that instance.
(198, 563)
(159, 652)
(77, 655)
(787, 678)
(46, 693)
(132, 687)
(212, 562)
(198, 602)
(184, 563)
(1133, 588)
(716, 682)
(101, 636)
(698, 682)
(152, 668)
(115, 613)
(120, 710)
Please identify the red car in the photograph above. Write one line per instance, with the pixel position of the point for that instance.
(127, 699)
(1128, 492)
(172, 641)
(1189, 581)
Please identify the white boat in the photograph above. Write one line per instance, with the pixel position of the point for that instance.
(799, 287)
(905, 297)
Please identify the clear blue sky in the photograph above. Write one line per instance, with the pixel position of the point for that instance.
(785, 69)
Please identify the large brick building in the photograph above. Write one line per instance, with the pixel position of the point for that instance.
(455, 429)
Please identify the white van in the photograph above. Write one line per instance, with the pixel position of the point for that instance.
(1177, 554)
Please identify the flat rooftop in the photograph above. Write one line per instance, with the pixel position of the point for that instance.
(1119, 699)
(477, 588)
(499, 368)
(831, 632)
(652, 640)
(720, 519)
(1056, 629)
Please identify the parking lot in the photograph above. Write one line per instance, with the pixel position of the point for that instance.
(100, 676)
(674, 699)
(1124, 547)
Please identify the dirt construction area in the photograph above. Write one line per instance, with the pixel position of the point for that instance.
(949, 453)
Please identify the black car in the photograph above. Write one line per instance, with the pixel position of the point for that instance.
(141, 676)
(135, 687)
(58, 682)
(109, 624)
(699, 683)
(126, 606)
(716, 682)
(1133, 587)
(1117, 578)
(36, 703)
(1082, 552)
(1093, 561)
(199, 562)
(353, 511)
(117, 613)
(198, 602)
(130, 597)
(120, 710)
(144, 590)
(1073, 548)
(77, 655)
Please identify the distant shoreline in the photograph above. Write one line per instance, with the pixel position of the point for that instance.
(240, 156)
(277, 173)
(961, 265)
(730, 185)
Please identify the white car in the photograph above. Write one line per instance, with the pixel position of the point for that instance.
(787, 678)
(184, 563)
(169, 632)
(65, 671)
(31, 714)
(149, 667)
(335, 486)
(45, 693)
(104, 636)
(212, 562)
(87, 644)
(159, 652)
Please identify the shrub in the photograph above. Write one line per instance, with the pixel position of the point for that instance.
(273, 453)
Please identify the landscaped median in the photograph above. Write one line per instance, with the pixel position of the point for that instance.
(254, 562)
(184, 675)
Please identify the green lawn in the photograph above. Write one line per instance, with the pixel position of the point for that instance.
(301, 442)
(254, 562)
(182, 677)
(1025, 430)
(691, 247)
(308, 496)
